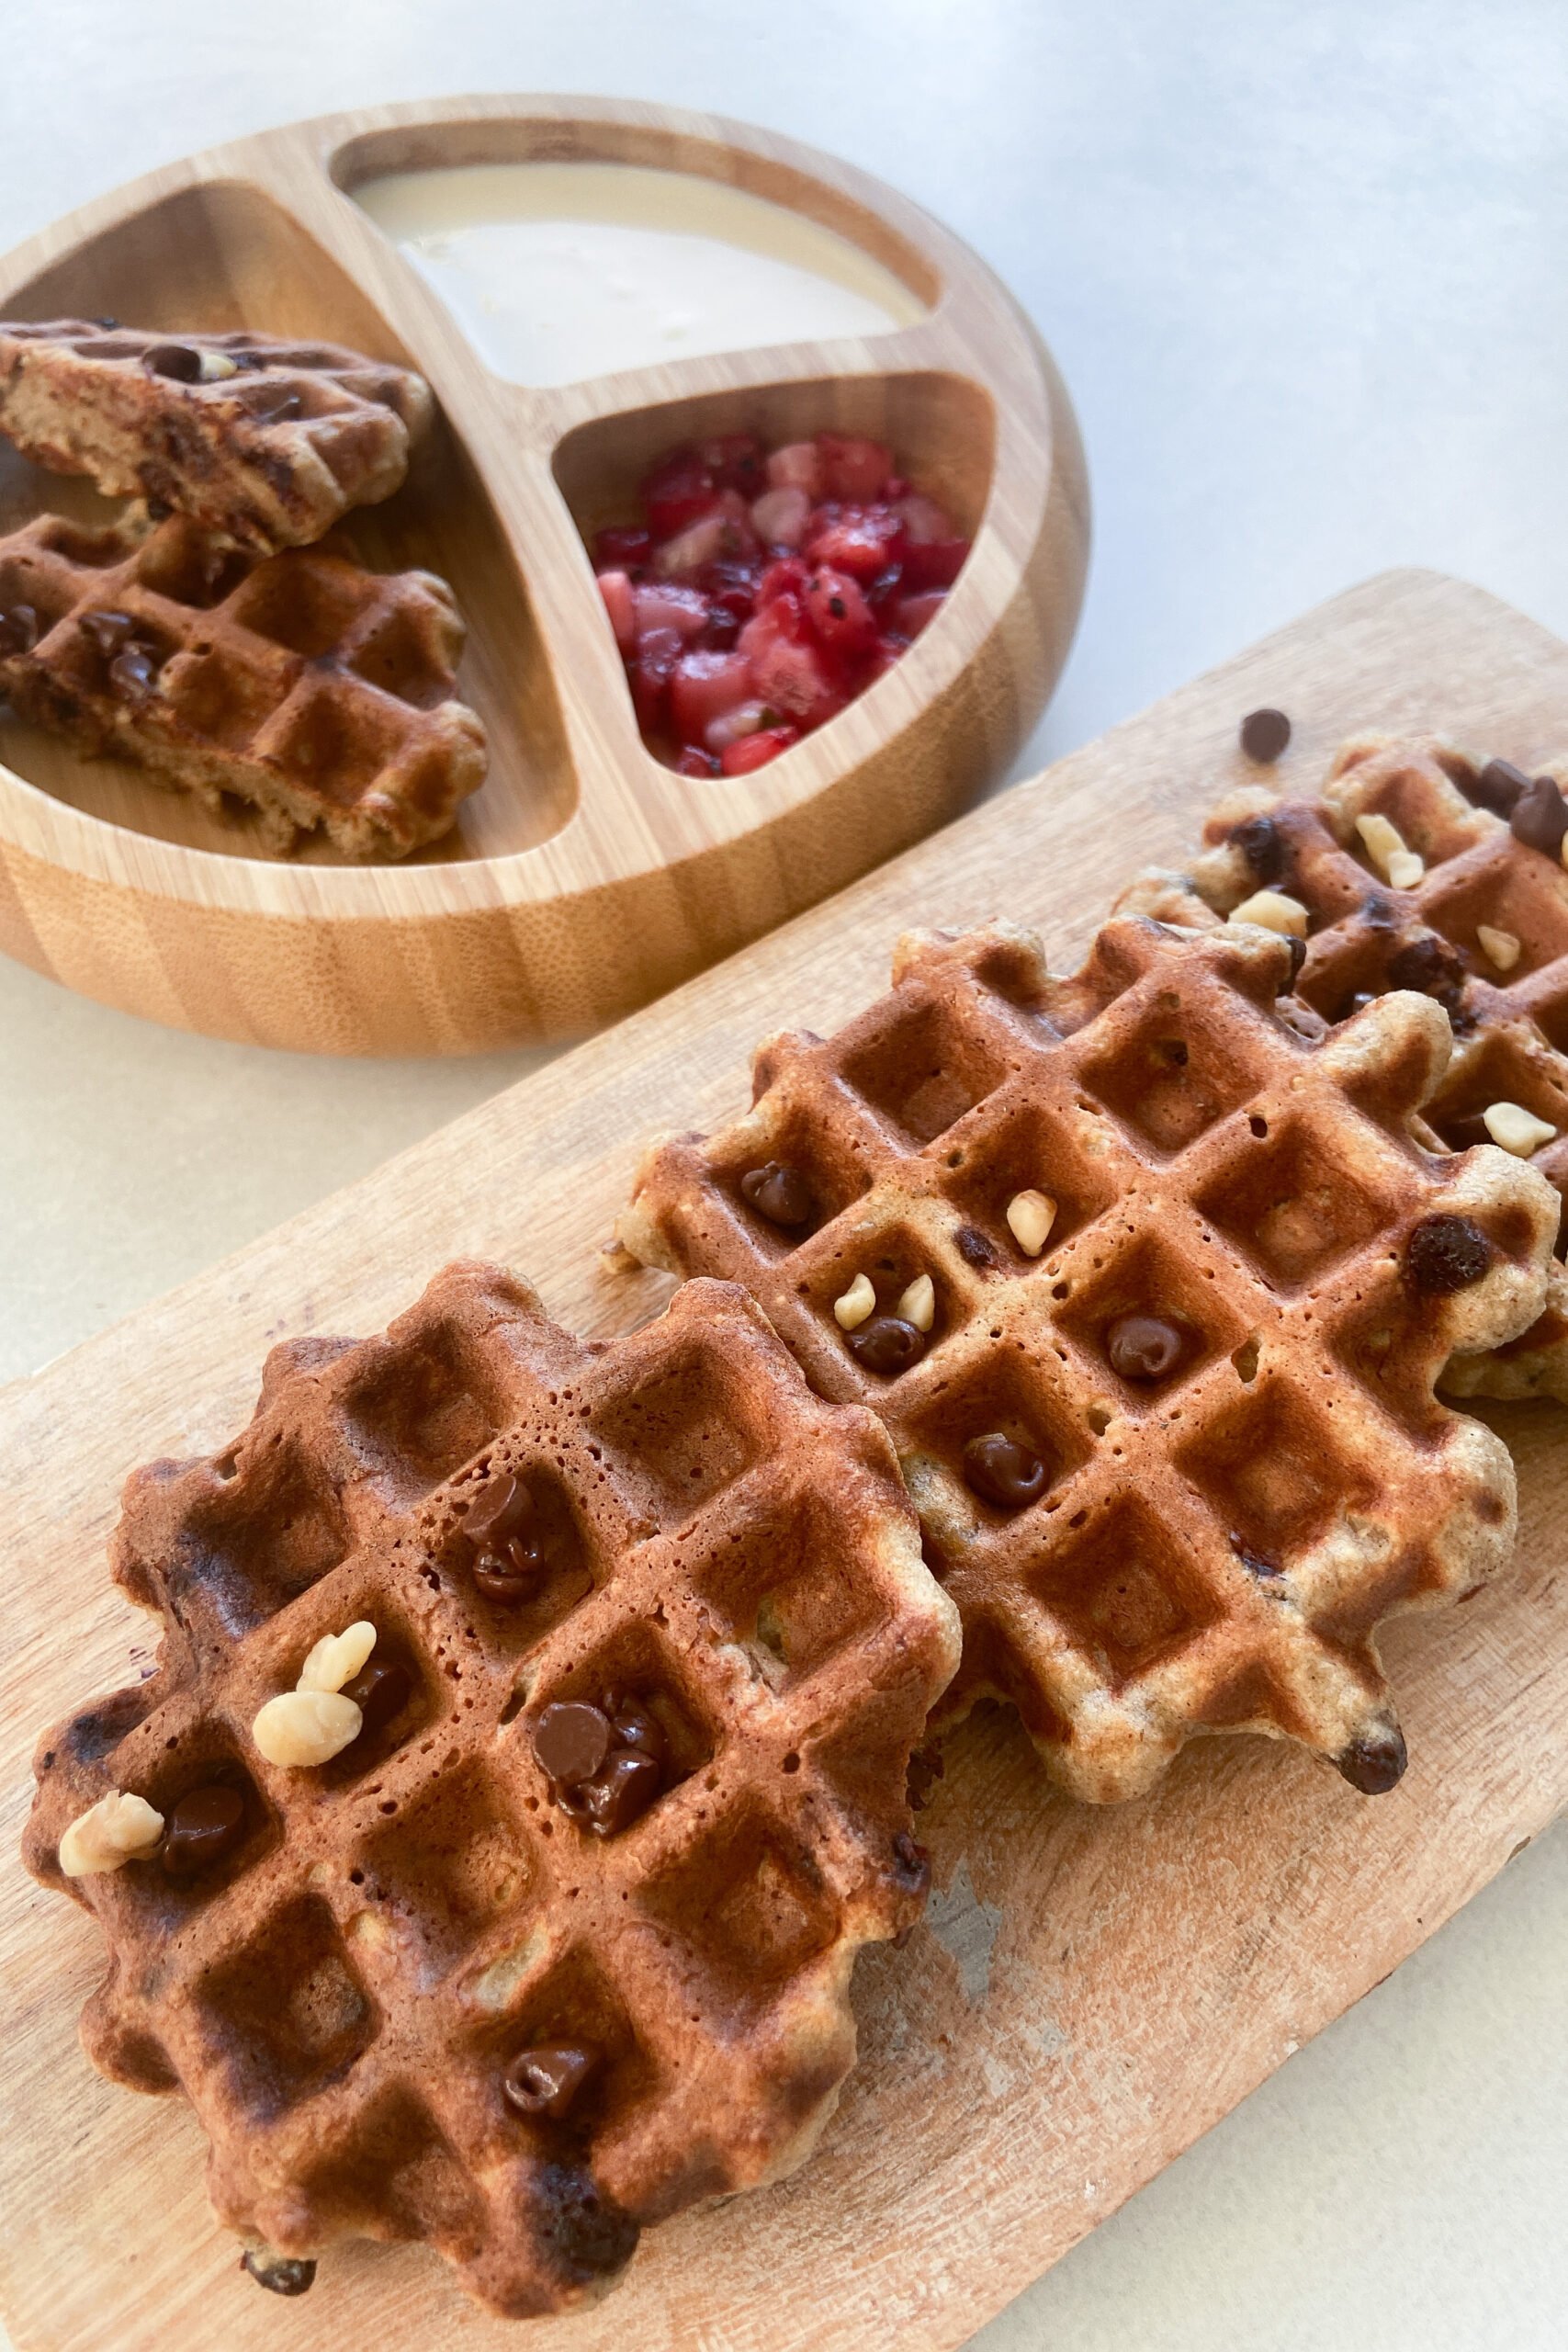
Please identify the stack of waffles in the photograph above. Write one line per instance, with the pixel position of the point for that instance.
(212, 632)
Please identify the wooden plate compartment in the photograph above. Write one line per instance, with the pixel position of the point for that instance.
(584, 877)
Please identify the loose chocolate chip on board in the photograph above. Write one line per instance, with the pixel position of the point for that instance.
(1539, 817)
(888, 1345)
(202, 1828)
(380, 1690)
(1496, 787)
(176, 361)
(1264, 734)
(1002, 1472)
(1262, 844)
(1375, 1762)
(571, 1740)
(1144, 1347)
(1446, 1253)
(548, 2079)
(280, 2274)
(778, 1192)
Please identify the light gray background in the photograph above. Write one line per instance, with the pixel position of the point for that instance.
(1303, 268)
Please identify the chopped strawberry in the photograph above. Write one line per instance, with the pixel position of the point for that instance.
(622, 548)
(692, 761)
(677, 492)
(858, 541)
(795, 678)
(780, 516)
(787, 577)
(854, 468)
(681, 609)
(657, 654)
(798, 466)
(935, 563)
(621, 605)
(910, 615)
(839, 611)
(704, 687)
(755, 750)
(735, 461)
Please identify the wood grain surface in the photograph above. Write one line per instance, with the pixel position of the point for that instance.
(1091, 1990)
(583, 878)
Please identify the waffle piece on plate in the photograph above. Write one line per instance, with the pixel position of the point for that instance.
(267, 441)
(321, 694)
(531, 1919)
(1420, 867)
(1151, 1290)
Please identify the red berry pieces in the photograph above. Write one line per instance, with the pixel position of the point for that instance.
(766, 590)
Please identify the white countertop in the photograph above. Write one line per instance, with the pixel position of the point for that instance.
(1301, 266)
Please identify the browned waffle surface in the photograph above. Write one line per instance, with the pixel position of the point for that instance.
(322, 694)
(1510, 1018)
(1211, 1547)
(267, 441)
(343, 1994)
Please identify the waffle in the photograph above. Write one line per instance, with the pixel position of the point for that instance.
(394, 1937)
(265, 441)
(1510, 1025)
(319, 693)
(1175, 1463)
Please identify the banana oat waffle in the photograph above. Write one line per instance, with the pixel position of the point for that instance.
(321, 694)
(267, 441)
(1420, 867)
(1151, 1289)
(525, 1765)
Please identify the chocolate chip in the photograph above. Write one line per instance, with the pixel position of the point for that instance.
(1002, 1472)
(1431, 966)
(778, 1192)
(133, 671)
(1262, 844)
(911, 1861)
(503, 1508)
(973, 1247)
(380, 1690)
(1539, 816)
(1496, 787)
(546, 2079)
(280, 2274)
(202, 1828)
(589, 2234)
(1446, 1253)
(511, 1576)
(635, 1728)
(1264, 734)
(619, 1793)
(176, 361)
(271, 403)
(18, 629)
(888, 1345)
(572, 1739)
(1257, 1564)
(1374, 1762)
(1144, 1347)
(108, 631)
(1297, 957)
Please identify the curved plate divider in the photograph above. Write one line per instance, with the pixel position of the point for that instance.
(584, 878)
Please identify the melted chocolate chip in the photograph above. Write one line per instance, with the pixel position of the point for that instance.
(202, 1828)
(1539, 816)
(511, 1576)
(1374, 1762)
(18, 629)
(1144, 1347)
(619, 1793)
(1496, 787)
(974, 1247)
(1298, 956)
(1002, 1472)
(572, 1739)
(1264, 734)
(1257, 1564)
(380, 1690)
(888, 1345)
(1444, 1254)
(778, 1192)
(280, 2274)
(108, 631)
(589, 2234)
(912, 1864)
(134, 670)
(546, 2079)
(635, 1728)
(1430, 966)
(503, 1508)
(1262, 844)
(176, 361)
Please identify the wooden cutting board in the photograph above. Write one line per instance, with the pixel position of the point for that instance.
(1091, 1989)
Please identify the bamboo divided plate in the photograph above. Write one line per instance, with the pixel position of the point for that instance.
(583, 878)
(1090, 1988)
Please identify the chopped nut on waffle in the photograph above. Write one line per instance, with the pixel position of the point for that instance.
(321, 694)
(267, 441)
(1170, 1420)
(1478, 921)
(525, 1765)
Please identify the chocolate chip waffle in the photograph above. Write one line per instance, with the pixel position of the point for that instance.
(321, 694)
(559, 1940)
(1150, 1290)
(267, 442)
(1482, 926)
